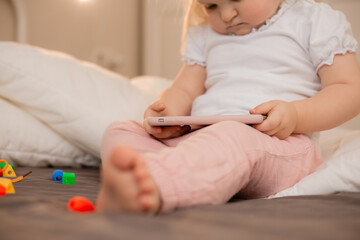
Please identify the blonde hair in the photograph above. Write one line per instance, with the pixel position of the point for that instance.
(194, 15)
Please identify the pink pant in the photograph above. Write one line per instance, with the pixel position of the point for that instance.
(210, 165)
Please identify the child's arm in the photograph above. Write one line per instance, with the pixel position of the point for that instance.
(337, 102)
(177, 100)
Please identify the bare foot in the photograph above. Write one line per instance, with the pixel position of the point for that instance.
(127, 185)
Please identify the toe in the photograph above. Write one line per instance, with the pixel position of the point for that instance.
(148, 203)
(147, 186)
(141, 171)
(123, 157)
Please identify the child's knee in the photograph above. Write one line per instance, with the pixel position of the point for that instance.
(117, 133)
(236, 127)
(242, 134)
(120, 129)
(128, 125)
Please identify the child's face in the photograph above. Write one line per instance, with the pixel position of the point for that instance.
(238, 17)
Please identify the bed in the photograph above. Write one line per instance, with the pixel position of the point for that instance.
(54, 110)
(39, 211)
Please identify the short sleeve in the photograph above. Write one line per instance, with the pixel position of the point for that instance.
(330, 35)
(194, 46)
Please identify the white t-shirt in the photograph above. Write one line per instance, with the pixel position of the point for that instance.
(278, 61)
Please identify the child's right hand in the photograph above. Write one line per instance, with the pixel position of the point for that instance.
(158, 109)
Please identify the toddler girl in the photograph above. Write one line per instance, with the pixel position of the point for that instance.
(292, 60)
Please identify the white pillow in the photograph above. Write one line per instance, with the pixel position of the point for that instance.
(340, 171)
(75, 99)
(25, 141)
(151, 85)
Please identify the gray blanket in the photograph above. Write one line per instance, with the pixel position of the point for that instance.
(38, 210)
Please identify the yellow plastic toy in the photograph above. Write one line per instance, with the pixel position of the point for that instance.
(7, 184)
(8, 171)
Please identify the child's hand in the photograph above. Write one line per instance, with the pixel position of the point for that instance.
(158, 109)
(281, 118)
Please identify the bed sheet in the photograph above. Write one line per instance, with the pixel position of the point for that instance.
(38, 210)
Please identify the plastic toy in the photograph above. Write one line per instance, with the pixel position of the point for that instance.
(18, 179)
(68, 178)
(2, 191)
(7, 184)
(2, 165)
(57, 175)
(8, 170)
(80, 205)
(64, 177)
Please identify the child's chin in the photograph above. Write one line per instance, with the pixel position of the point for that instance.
(240, 32)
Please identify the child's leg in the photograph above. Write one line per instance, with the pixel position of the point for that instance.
(126, 184)
(219, 161)
(132, 133)
(122, 166)
(222, 159)
(209, 167)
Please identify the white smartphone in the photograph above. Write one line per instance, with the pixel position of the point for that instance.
(204, 120)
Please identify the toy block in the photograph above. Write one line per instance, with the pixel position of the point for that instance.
(7, 184)
(57, 175)
(68, 178)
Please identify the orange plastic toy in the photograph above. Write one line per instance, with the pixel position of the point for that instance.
(80, 205)
(8, 171)
(7, 184)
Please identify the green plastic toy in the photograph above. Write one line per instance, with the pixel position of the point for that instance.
(68, 178)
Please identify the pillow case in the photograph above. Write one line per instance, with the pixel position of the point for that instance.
(75, 99)
(25, 141)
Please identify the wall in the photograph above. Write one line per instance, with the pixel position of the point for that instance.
(162, 24)
(114, 34)
(103, 31)
(7, 21)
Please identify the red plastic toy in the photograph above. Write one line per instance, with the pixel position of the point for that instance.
(2, 191)
(80, 205)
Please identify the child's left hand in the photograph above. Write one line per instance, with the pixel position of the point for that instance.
(281, 118)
